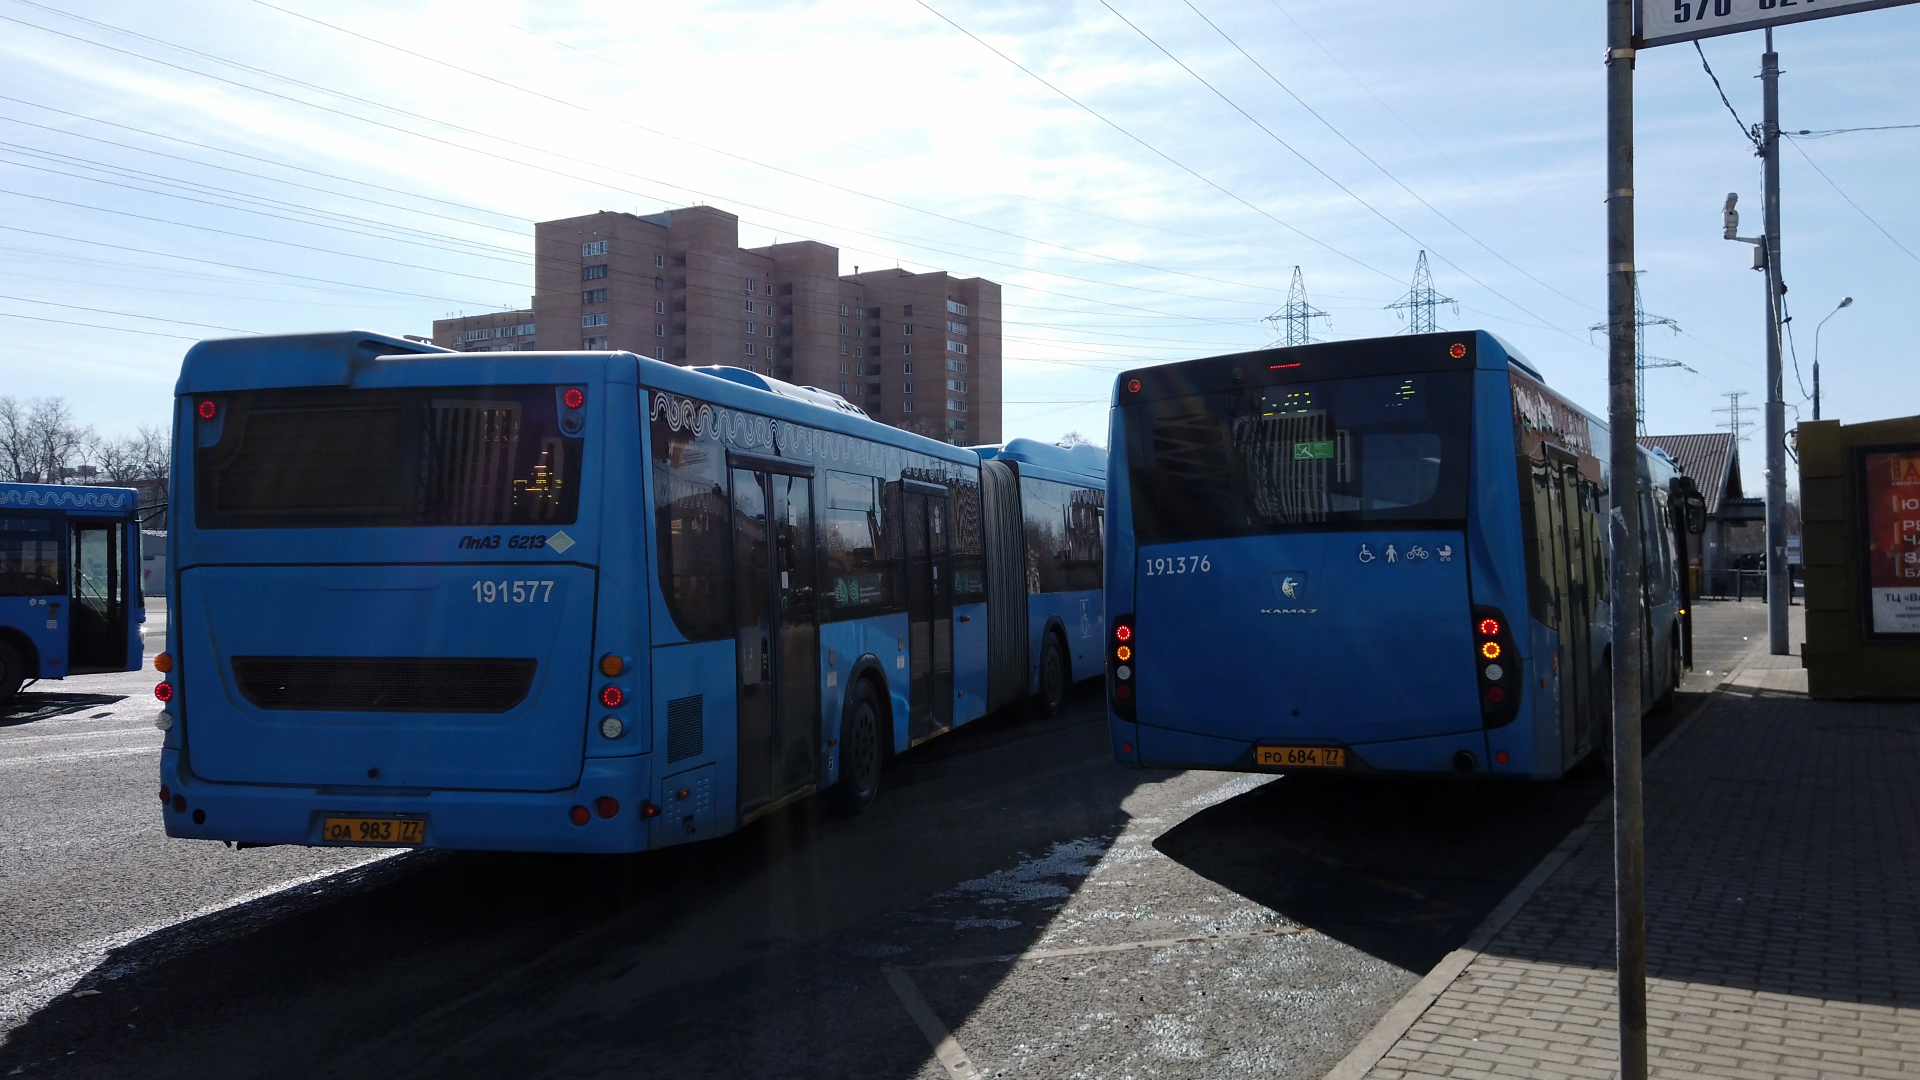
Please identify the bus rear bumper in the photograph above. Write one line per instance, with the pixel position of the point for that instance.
(1165, 748)
(455, 820)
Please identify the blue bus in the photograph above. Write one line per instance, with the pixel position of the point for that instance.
(1384, 555)
(70, 600)
(580, 602)
(1053, 501)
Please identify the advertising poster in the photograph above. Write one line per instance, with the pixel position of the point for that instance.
(1892, 493)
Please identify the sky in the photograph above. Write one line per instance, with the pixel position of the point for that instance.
(1141, 176)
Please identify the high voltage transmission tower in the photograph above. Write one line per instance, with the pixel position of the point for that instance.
(1294, 319)
(1416, 307)
(1641, 361)
(1736, 416)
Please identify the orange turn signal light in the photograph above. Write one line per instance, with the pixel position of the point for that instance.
(1123, 654)
(163, 663)
(611, 665)
(1490, 650)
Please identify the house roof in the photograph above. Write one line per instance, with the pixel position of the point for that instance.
(1713, 461)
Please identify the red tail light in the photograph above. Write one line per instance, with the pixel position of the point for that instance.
(607, 806)
(579, 816)
(574, 397)
(611, 697)
(163, 691)
(207, 409)
(1489, 627)
(1123, 632)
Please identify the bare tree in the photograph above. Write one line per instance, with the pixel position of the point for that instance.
(130, 459)
(41, 442)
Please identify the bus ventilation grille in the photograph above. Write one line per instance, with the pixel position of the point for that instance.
(384, 683)
(685, 737)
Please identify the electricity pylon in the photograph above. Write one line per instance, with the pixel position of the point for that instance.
(1294, 319)
(1641, 361)
(1416, 307)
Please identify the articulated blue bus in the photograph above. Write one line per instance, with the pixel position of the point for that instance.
(70, 600)
(557, 601)
(1386, 556)
(1057, 502)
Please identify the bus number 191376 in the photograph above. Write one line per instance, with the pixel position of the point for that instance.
(1179, 564)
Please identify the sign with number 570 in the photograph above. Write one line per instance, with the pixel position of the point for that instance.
(1663, 22)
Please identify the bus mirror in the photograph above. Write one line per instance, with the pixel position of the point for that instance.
(1688, 501)
(1696, 515)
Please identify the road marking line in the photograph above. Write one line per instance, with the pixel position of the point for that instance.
(79, 755)
(945, 1046)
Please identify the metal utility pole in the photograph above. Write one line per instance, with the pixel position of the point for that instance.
(1736, 415)
(1421, 299)
(1295, 320)
(1779, 581)
(1845, 302)
(1629, 850)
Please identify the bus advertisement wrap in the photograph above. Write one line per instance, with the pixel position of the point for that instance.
(1892, 481)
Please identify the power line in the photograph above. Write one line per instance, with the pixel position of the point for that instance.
(1745, 131)
(1836, 187)
(1156, 151)
(1823, 133)
(1388, 173)
(97, 326)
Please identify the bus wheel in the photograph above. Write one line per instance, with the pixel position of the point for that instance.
(860, 754)
(13, 672)
(1053, 676)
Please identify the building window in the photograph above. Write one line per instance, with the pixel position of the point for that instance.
(956, 327)
(593, 343)
(659, 307)
(751, 349)
(659, 329)
(907, 329)
(751, 367)
(659, 259)
(660, 353)
(598, 318)
(956, 405)
(957, 365)
(906, 406)
(660, 284)
(906, 368)
(594, 296)
(753, 306)
(955, 307)
(526, 329)
(956, 425)
(906, 388)
(859, 350)
(592, 248)
(859, 331)
(844, 351)
(752, 285)
(958, 386)
(843, 329)
(909, 311)
(594, 272)
(957, 346)
(846, 388)
(843, 367)
(843, 313)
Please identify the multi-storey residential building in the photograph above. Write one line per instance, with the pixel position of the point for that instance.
(496, 331)
(918, 351)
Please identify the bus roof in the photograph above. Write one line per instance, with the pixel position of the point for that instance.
(263, 361)
(67, 497)
(1331, 359)
(1079, 463)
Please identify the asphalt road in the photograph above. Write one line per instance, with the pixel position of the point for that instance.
(1052, 914)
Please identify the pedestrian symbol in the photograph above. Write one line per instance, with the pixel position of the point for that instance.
(1392, 555)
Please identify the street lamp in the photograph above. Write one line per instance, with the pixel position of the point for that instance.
(1845, 302)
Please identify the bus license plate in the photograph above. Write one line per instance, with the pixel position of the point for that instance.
(1301, 757)
(371, 830)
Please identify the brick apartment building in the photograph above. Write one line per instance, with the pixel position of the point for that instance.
(918, 351)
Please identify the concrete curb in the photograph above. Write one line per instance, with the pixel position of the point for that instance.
(1414, 1004)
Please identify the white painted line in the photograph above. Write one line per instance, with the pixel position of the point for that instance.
(945, 1046)
(1407, 1011)
(79, 755)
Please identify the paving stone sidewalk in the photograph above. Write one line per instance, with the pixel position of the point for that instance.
(1783, 898)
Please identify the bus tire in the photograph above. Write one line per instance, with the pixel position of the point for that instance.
(1055, 676)
(1664, 703)
(13, 672)
(861, 752)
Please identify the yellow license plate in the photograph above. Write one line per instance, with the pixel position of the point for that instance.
(374, 830)
(1300, 757)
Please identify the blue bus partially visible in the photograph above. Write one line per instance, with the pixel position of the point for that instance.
(580, 602)
(70, 600)
(1377, 556)
(1053, 501)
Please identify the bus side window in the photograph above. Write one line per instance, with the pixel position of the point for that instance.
(30, 562)
(853, 547)
(692, 540)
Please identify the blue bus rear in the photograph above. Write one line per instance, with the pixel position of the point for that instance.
(70, 601)
(1057, 503)
(1321, 558)
(564, 602)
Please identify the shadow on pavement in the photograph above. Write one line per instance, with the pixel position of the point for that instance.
(28, 707)
(757, 954)
(1403, 869)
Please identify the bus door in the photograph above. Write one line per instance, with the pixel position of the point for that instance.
(97, 600)
(777, 636)
(929, 612)
(1564, 521)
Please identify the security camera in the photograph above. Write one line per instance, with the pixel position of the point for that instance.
(1729, 217)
